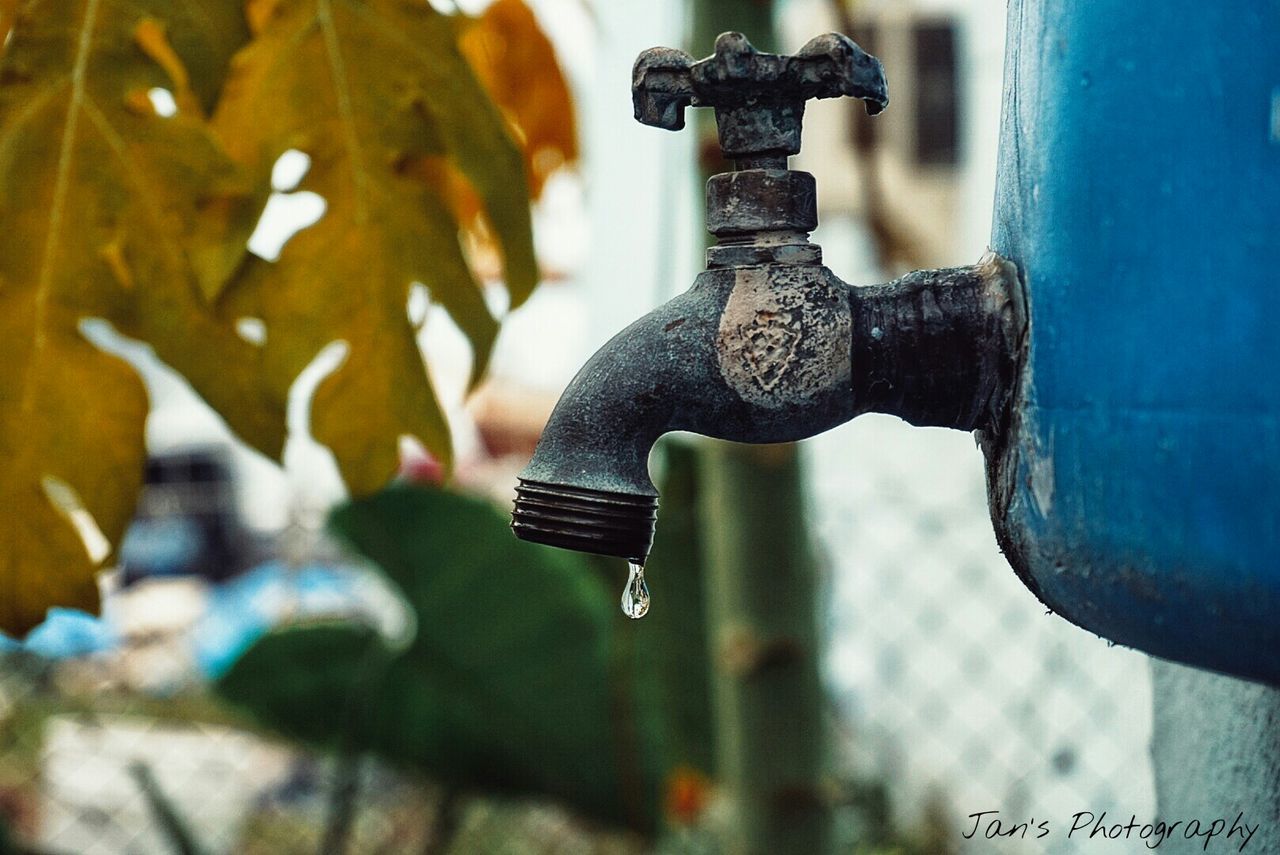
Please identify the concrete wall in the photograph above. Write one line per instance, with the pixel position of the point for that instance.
(1215, 746)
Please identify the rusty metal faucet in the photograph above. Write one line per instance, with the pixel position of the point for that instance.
(768, 345)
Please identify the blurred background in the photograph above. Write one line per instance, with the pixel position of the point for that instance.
(948, 690)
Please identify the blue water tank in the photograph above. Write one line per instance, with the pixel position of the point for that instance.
(1138, 491)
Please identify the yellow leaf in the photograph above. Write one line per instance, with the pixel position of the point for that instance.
(149, 35)
(258, 12)
(111, 211)
(96, 201)
(205, 34)
(7, 10)
(688, 792)
(517, 64)
(367, 88)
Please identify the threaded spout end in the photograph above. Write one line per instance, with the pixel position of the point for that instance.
(605, 523)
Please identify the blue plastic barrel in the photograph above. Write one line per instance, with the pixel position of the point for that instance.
(1139, 194)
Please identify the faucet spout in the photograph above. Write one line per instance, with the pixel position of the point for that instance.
(752, 354)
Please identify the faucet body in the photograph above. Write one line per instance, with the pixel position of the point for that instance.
(768, 345)
(751, 354)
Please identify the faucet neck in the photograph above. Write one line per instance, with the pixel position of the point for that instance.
(762, 216)
(761, 248)
(775, 161)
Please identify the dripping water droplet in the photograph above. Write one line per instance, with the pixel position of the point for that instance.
(635, 597)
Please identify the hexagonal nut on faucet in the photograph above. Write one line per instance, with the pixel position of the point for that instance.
(761, 200)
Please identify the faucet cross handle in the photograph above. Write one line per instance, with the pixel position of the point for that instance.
(758, 97)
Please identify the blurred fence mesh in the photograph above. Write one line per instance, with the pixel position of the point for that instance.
(952, 689)
(951, 682)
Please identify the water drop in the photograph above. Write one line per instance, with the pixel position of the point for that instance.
(635, 597)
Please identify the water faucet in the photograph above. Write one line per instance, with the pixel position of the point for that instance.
(768, 345)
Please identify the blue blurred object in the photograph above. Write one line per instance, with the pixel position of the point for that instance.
(187, 522)
(1139, 194)
(65, 634)
(161, 546)
(241, 611)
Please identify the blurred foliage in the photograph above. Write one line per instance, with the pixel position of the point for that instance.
(521, 678)
(510, 683)
(113, 211)
(368, 88)
(97, 202)
(516, 62)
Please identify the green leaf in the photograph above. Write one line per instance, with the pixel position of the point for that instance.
(509, 683)
(370, 88)
(302, 681)
(97, 196)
